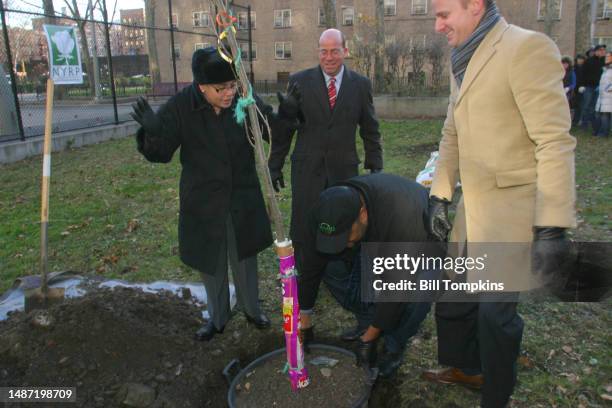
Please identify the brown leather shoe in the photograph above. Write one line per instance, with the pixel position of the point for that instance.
(453, 376)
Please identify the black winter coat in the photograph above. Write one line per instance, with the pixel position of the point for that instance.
(397, 212)
(218, 177)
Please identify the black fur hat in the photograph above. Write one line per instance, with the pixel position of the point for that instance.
(209, 67)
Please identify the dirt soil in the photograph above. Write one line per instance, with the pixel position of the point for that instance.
(339, 385)
(124, 347)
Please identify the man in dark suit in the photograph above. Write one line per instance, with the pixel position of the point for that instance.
(326, 103)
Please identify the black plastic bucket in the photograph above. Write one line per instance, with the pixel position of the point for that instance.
(234, 373)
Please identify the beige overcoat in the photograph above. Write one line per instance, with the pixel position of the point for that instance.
(506, 138)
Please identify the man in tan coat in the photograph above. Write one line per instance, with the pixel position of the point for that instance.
(506, 138)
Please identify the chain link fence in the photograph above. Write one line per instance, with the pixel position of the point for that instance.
(123, 56)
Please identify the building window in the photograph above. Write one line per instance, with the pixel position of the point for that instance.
(604, 9)
(419, 6)
(174, 20)
(200, 46)
(282, 50)
(390, 7)
(418, 41)
(603, 40)
(555, 9)
(321, 18)
(201, 19)
(244, 50)
(177, 51)
(243, 21)
(348, 15)
(282, 18)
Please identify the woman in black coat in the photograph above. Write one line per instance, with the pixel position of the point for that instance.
(222, 211)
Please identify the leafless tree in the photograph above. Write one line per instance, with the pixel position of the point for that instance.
(379, 62)
(329, 9)
(150, 6)
(364, 45)
(435, 57)
(81, 24)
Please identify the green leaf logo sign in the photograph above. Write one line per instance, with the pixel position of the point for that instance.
(64, 50)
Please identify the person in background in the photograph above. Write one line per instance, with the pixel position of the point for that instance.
(592, 74)
(604, 103)
(569, 79)
(577, 100)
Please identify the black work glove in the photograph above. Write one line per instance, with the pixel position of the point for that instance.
(551, 257)
(289, 105)
(367, 353)
(307, 338)
(277, 180)
(374, 171)
(144, 115)
(438, 223)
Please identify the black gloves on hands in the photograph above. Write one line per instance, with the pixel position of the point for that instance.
(277, 180)
(144, 115)
(367, 353)
(307, 337)
(551, 257)
(439, 225)
(289, 105)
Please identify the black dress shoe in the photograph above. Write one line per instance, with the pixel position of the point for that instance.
(207, 332)
(353, 334)
(261, 321)
(389, 363)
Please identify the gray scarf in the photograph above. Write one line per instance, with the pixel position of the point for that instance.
(461, 56)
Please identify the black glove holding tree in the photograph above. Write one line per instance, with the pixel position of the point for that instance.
(439, 225)
(144, 115)
(289, 105)
(551, 257)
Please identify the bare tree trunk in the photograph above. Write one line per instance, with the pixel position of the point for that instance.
(74, 10)
(379, 62)
(549, 17)
(583, 40)
(329, 8)
(49, 11)
(152, 42)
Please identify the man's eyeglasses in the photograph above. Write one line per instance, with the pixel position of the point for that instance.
(232, 87)
(335, 52)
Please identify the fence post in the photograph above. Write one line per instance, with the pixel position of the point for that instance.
(172, 45)
(109, 59)
(250, 44)
(12, 72)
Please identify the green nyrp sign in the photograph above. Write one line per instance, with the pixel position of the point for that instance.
(64, 55)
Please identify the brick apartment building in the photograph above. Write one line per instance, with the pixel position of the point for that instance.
(133, 39)
(285, 32)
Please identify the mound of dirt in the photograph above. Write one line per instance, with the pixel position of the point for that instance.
(124, 347)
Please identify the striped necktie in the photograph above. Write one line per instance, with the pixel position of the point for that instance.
(331, 92)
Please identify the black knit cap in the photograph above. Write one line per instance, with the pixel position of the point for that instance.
(335, 212)
(209, 67)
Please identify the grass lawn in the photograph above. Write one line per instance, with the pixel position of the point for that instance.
(112, 213)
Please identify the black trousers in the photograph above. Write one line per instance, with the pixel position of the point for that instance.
(484, 335)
